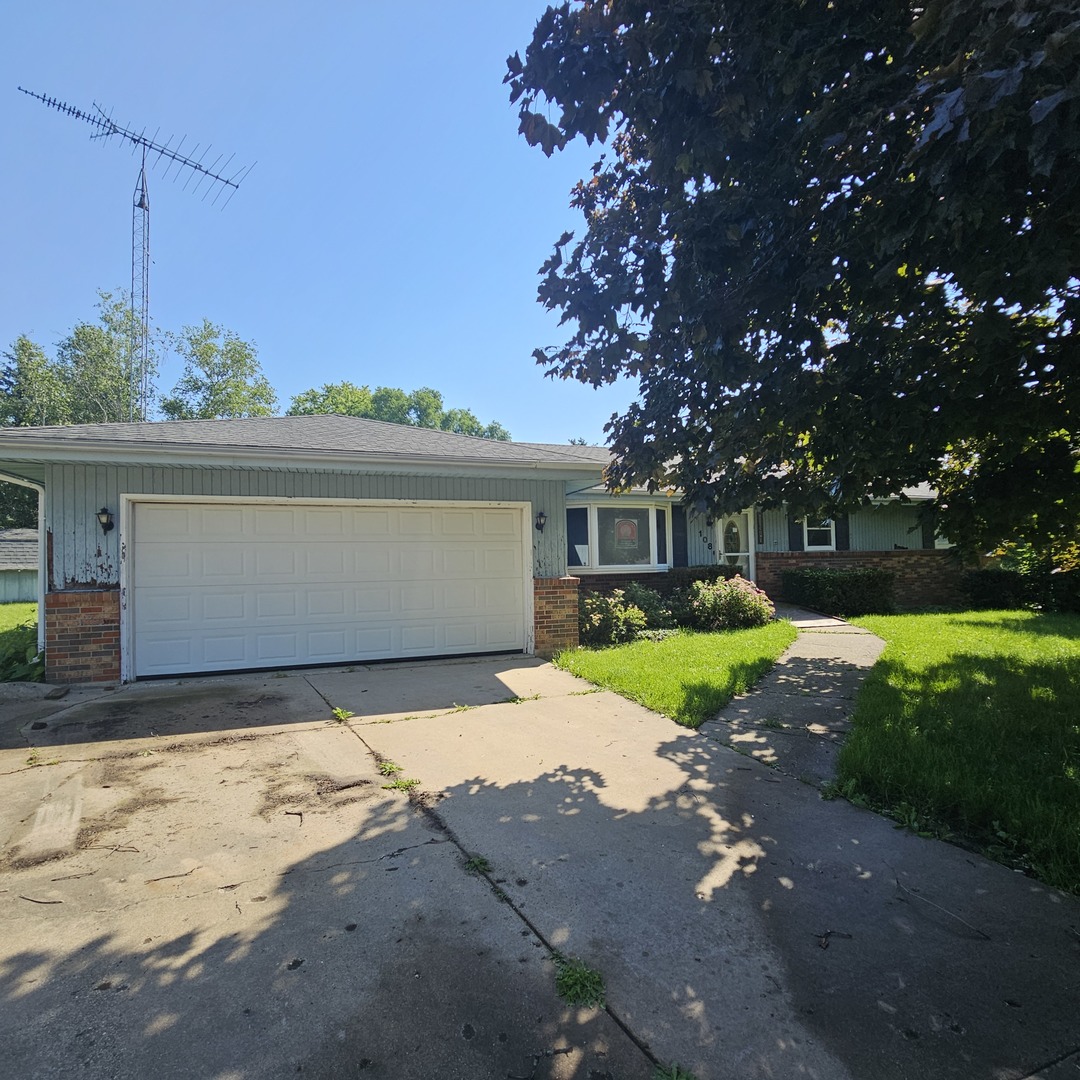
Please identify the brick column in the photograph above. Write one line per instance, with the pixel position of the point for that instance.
(555, 614)
(82, 636)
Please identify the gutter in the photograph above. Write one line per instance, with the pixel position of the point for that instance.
(219, 456)
(42, 565)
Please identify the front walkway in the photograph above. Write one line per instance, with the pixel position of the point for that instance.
(797, 716)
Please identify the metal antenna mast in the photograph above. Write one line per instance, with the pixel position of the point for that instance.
(216, 181)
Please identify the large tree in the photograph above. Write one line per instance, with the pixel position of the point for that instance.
(421, 408)
(222, 377)
(838, 244)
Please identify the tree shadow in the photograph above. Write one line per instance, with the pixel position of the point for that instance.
(745, 929)
(987, 745)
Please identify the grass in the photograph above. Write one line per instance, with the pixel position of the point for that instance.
(18, 643)
(12, 615)
(688, 677)
(577, 983)
(968, 727)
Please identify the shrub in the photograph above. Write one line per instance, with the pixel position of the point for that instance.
(608, 619)
(841, 592)
(1002, 589)
(656, 609)
(20, 660)
(679, 578)
(734, 604)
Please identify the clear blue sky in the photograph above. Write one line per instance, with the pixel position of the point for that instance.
(389, 234)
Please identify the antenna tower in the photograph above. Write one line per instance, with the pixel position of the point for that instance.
(216, 181)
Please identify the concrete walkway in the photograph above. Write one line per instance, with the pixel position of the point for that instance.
(796, 718)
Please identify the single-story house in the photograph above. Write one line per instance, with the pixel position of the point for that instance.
(224, 545)
(18, 565)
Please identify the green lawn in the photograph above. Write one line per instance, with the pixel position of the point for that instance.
(687, 676)
(16, 614)
(18, 638)
(969, 726)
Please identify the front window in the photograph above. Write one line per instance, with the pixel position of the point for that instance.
(613, 537)
(819, 534)
(623, 537)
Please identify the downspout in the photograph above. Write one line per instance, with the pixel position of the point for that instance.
(43, 568)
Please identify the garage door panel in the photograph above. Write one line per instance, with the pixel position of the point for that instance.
(222, 606)
(219, 588)
(221, 562)
(279, 604)
(275, 561)
(370, 601)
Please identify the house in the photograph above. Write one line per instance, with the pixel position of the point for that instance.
(18, 565)
(225, 545)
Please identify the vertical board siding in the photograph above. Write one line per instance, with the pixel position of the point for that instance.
(18, 586)
(886, 528)
(83, 555)
(699, 535)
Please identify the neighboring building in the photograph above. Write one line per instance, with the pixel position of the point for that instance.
(18, 565)
(225, 545)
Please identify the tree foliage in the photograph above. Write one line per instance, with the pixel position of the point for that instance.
(837, 244)
(421, 408)
(222, 377)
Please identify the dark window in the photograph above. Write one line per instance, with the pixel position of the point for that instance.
(577, 536)
(661, 536)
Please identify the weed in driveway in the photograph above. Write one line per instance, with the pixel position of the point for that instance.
(389, 768)
(578, 984)
(477, 864)
(341, 715)
(401, 784)
(519, 700)
(672, 1072)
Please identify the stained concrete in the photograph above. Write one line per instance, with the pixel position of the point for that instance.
(200, 926)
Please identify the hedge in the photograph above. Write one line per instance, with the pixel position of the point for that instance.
(842, 592)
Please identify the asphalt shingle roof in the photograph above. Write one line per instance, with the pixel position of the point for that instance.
(314, 434)
(18, 549)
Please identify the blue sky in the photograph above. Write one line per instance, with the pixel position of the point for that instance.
(390, 232)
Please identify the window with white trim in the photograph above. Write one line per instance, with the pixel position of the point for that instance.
(819, 534)
(618, 536)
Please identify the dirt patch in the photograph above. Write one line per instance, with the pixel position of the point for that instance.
(312, 793)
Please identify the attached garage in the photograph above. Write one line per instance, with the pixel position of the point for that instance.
(223, 586)
(190, 547)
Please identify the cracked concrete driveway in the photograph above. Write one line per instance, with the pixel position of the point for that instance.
(208, 878)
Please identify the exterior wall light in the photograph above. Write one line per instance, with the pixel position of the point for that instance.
(105, 520)
(541, 520)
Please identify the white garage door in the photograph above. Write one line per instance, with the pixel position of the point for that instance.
(219, 587)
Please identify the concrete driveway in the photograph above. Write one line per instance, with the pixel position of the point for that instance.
(207, 878)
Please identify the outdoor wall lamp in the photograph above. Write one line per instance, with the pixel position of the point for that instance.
(541, 520)
(105, 519)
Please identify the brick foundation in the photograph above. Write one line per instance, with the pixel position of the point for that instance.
(555, 614)
(923, 579)
(82, 636)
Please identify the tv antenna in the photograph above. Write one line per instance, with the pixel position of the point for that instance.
(217, 182)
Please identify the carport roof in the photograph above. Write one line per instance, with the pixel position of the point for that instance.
(273, 438)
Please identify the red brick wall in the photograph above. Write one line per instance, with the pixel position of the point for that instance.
(555, 614)
(82, 636)
(923, 578)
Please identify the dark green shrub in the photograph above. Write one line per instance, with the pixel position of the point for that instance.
(656, 609)
(841, 592)
(1001, 589)
(734, 604)
(607, 619)
(19, 657)
(1064, 591)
